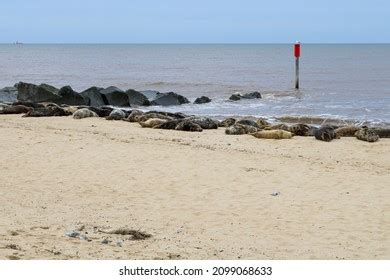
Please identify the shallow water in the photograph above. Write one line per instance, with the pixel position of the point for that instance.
(337, 81)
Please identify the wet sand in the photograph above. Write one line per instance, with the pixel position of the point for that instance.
(200, 195)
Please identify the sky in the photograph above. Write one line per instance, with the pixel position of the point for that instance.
(195, 21)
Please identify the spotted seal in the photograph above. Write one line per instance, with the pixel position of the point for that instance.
(239, 129)
(227, 122)
(152, 122)
(367, 134)
(346, 131)
(188, 125)
(116, 115)
(15, 109)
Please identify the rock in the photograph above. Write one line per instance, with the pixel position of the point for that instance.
(273, 134)
(36, 94)
(72, 234)
(101, 111)
(239, 129)
(367, 134)
(106, 241)
(8, 94)
(250, 95)
(70, 97)
(346, 131)
(115, 97)
(202, 100)
(134, 116)
(150, 94)
(49, 111)
(93, 97)
(168, 99)
(248, 122)
(84, 113)
(169, 124)
(382, 132)
(152, 122)
(137, 98)
(300, 129)
(275, 193)
(188, 125)
(205, 122)
(15, 109)
(227, 122)
(325, 133)
(116, 115)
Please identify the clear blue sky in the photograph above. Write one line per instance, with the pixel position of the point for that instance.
(195, 21)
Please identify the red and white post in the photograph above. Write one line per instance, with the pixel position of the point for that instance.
(297, 54)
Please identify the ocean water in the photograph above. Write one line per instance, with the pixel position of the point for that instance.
(343, 81)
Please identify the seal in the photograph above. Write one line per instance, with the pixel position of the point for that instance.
(300, 129)
(382, 132)
(262, 123)
(71, 109)
(102, 112)
(273, 134)
(227, 122)
(240, 129)
(29, 104)
(346, 131)
(84, 113)
(116, 115)
(281, 126)
(204, 122)
(248, 122)
(367, 134)
(15, 109)
(134, 116)
(168, 124)
(49, 111)
(152, 115)
(325, 133)
(188, 125)
(152, 122)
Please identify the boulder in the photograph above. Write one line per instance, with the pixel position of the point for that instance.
(115, 97)
(168, 99)
(150, 94)
(93, 97)
(8, 94)
(202, 100)
(35, 94)
(70, 97)
(250, 95)
(137, 98)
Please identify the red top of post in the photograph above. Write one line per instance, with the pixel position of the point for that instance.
(297, 49)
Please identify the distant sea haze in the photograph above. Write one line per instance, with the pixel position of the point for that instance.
(345, 81)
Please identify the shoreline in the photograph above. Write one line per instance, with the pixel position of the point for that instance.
(200, 195)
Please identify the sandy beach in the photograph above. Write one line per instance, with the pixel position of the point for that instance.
(200, 195)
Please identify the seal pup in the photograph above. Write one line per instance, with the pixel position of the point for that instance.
(15, 109)
(116, 115)
(325, 133)
(300, 129)
(227, 122)
(346, 131)
(84, 113)
(188, 125)
(367, 134)
(152, 122)
(240, 129)
(273, 134)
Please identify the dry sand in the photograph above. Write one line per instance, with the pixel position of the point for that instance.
(201, 195)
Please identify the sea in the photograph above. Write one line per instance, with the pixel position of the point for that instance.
(337, 81)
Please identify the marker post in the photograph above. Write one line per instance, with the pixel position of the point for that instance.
(297, 54)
